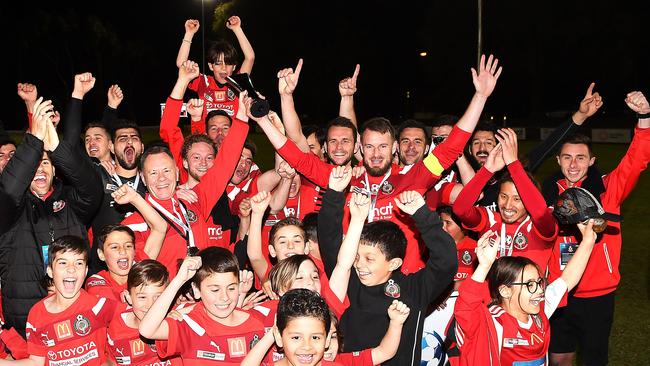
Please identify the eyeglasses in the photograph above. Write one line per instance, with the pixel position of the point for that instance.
(532, 286)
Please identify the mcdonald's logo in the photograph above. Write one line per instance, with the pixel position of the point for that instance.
(137, 347)
(63, 330)
(237, 347)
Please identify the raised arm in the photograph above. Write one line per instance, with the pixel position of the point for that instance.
(589, 105)
(83, 83)
(330, 221)
(442, 264)
(17, 176)
(115, 98)
(28, 93)
(191, 27)
(464, 205)
(153, 325)
(347, 88)
(256, 355)
(359, 207)
(234, 24)
(157, 225)
(531, 197)
(259, 203)
(83, 184)
(398, 312)
(287, 82)
(624, 177)
(577, 264)
(484, 82)
(215, 181)
(473, 294)
(306, 163)
(281, 191)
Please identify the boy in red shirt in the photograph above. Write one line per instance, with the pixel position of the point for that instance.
(118, 247)
(68, 327)
(146, 281)
(222, 61)
(214, 332)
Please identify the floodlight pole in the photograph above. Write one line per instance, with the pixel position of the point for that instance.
(479, 43)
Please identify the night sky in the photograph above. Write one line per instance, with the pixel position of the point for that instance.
(550, 52)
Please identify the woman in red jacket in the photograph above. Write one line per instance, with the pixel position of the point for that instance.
(505, 321)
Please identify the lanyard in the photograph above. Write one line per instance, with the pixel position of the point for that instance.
(286, 210)
(374, 194)
(133, 185)
(187, 228)
(506, 250)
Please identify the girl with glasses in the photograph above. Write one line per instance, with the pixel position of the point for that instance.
(502, 311)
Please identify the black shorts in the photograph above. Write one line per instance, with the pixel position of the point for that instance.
(585, 324)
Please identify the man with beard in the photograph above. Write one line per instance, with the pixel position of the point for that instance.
(525, 225)
(187, 220)
(41, 208)
(585, 323)
(382, 181)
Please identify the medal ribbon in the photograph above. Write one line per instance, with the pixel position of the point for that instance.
(373, 194)
(504, 249)
(187, 228)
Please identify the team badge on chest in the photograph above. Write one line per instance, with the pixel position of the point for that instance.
(82, 325)
(467, 258)
(521, 242)
(392, 289)
(387, 188)
(58, 205)
(191, 216)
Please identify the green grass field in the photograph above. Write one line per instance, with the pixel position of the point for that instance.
(629, 341)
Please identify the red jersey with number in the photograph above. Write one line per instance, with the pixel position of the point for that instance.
(361, 358)
(465, 251)
(199, 340)
(127, 347)
(101, 284)
(74, 336)
(215, 96)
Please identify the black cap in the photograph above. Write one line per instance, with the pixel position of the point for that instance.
(576, 205)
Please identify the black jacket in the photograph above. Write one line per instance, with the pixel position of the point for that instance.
(35, 223)
(365, 322)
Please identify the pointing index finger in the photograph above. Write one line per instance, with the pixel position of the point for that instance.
(356, 72)
(298, 67)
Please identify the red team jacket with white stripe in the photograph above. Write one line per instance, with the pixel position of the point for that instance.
(602, 273)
